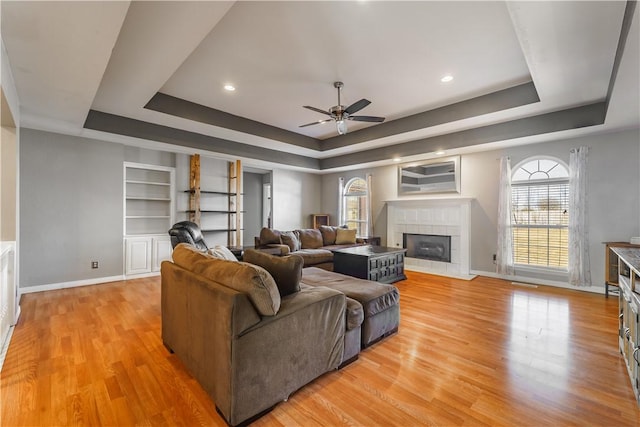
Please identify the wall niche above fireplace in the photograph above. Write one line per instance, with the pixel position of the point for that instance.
(433, 176)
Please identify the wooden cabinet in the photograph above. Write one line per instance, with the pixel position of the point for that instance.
(319, 219)
(611, 264)
(629, 309)
(144, 254)
(377, 263)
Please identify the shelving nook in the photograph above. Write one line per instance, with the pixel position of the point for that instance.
(149, 212)
(231, 206)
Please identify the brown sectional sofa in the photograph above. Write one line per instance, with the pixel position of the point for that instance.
(254, 332)
(313, 245)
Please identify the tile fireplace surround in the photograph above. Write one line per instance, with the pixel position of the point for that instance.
(448, 216)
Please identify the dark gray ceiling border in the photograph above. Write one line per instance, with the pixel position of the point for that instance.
(200, 113)
(512, 97)
(574, 118)
(105, 122)
(622, 42)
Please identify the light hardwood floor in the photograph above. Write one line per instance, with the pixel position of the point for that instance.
(481, 352)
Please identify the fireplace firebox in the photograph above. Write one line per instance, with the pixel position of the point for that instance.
(427, 246)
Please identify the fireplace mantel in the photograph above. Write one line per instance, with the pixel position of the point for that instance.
(452, 199)
(448, 216)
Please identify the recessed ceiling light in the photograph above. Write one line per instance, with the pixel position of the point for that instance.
(447, 78)
(229, 88)
(397, 159)
(439, 153)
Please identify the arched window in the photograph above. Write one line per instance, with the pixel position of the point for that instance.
(539, 213)
(355, 204)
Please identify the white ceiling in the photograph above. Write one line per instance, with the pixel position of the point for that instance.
(67, 58)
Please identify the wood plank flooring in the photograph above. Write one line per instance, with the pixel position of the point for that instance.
(481, 352)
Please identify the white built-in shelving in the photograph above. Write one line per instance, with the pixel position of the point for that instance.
(149, 212)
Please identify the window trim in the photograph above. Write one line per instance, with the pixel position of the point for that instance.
(539, 182)
(345, 194)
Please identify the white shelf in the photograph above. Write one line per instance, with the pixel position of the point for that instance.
(148, 217)
(155, 199)
(149, 205)
(130, 181)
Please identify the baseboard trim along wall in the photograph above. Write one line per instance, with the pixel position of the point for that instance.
(74, 284)
(534, 281)
(439, 273)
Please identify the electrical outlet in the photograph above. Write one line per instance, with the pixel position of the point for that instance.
(495, 259)
(94, 264)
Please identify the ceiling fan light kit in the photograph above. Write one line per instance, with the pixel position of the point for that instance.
(339, 114)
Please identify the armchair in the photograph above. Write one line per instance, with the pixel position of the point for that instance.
(187, 232)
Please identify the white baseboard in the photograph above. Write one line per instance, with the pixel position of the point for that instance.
(534, 281)
(5, 345)
(64, 285)
(141, 276)
(439, 273)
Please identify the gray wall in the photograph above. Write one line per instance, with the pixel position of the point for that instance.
(8, 182)
(252, 200)
(613, 204)
(296, 196)
(383, 181)
(71, 199)
(613, 181)
(71, 207)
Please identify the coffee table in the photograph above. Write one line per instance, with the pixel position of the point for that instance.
(378, 263)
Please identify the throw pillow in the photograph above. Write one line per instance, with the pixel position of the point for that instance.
(286, 270)
(222, 252)
(310, 238)
(328, 235)
(345, 236)
(290, 238)
(250, 279)
(269, 236)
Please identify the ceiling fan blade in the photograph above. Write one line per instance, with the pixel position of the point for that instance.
(316, 109)
(357, 106)
(317, 122)
(367, 119)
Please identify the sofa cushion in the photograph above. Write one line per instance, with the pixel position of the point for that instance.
(285, 270)
(375, 297)
(337, 247)
(269, 235)
(315, 256)
(328, 235)
(345, 236)
(222, 252)
(250, 279)
(291, 239)
(310, 238)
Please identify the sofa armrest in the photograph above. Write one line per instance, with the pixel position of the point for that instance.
(276, 249)
(277, 356)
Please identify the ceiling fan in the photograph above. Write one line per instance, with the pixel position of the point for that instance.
(339, 114)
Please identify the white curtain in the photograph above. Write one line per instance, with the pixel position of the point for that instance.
(579, 268)
(504, 257)
(340, 201)
(369, 210)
